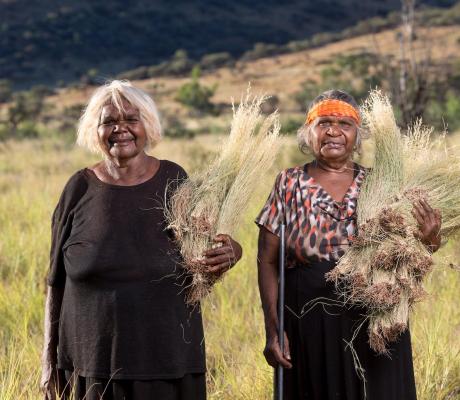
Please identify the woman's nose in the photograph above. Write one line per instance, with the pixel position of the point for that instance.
(120, 126)
(333, 130)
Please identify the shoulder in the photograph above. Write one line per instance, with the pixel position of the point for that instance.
(362, 171)
(74, 189)
(77, 183)
(287, 175)
(173, 170)
(361, 168)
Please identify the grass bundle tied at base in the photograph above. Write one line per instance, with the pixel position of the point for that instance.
(214, 200)
(384, 269)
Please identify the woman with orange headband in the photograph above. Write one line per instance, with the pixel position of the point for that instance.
(317, 204)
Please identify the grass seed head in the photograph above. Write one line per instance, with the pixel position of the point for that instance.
(213, 200)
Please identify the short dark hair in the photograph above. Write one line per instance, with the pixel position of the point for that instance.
(334, 94)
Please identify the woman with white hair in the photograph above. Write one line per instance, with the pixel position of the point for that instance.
(317, 203)
(116, 322)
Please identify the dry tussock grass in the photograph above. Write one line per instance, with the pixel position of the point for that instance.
(385, 268)
(213, 200)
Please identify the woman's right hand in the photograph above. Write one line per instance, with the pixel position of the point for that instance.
(48, 381)
(273, 354)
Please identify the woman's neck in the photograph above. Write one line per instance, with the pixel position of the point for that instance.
(128, 171)
(339, 166)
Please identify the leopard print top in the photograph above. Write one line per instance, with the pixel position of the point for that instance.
(317, 227)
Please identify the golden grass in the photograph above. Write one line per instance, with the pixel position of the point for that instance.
(32, 174)
(213, 200)
(385, 269)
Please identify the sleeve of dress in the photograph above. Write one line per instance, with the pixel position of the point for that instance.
(176, 176)
(61, 226)
(272, 214)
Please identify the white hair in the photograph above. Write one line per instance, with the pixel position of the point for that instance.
(114, 93)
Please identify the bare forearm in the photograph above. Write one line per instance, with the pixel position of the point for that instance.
(267, 263)
(51, 327)
(268, 288)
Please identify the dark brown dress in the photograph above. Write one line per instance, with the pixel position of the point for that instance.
(124, 325)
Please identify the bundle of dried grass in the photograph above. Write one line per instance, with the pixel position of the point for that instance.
(213, 201)
(384, 269)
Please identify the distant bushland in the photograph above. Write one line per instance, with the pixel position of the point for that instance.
(66, 41)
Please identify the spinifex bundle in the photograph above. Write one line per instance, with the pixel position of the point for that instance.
(384, 269)
(213, 201)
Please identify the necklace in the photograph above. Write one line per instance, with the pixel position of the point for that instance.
(338, 171)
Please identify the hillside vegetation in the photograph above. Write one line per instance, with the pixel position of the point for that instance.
(59, 41)
(202, 103)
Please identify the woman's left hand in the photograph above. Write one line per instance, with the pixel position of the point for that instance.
(221, 259)
(429, 222)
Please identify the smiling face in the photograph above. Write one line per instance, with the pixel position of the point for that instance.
(333, 138)
(122, 134)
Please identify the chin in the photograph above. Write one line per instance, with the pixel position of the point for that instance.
(123, 153)
(335, 154)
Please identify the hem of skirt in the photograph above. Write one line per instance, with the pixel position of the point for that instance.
(114, 375)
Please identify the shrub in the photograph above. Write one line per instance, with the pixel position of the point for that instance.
(69, 117)
(26, 130)
(291, 125)
(179, 64)
(196, 96)
(135, 74)
(216, 60)
(175, 129)
(452, 111)
(309, 90)
(354, 73)
(261, 50)
(5, 90)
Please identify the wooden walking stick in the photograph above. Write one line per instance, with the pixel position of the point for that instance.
(280, 371)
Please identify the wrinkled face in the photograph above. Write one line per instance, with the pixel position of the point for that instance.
(333, 138)
(121, 134)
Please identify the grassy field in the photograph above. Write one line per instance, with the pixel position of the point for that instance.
(33, 173)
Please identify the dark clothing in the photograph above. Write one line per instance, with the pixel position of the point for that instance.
(189, 387)
(323, 365)
(123, 314)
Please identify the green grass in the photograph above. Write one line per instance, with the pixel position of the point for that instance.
(33, 173)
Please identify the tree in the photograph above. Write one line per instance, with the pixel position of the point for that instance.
(179, 64)
(26, 109)
(409, 80)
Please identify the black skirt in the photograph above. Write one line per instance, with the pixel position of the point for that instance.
(323, 364)
(75, 387)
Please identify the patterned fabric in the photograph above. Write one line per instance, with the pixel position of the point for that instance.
(337, 108)
(317, 227)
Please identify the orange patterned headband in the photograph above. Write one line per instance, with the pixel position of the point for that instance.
(336, 108)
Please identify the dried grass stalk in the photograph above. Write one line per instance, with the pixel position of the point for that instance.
(214, 200)
(385, 267)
